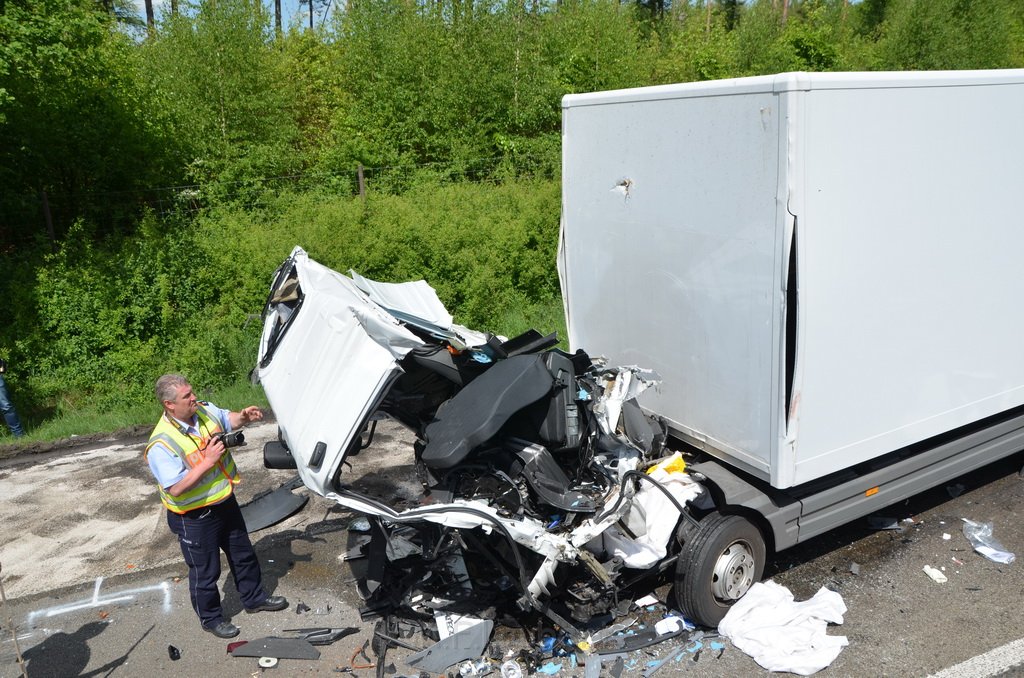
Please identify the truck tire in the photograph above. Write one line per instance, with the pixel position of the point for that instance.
(717, 565)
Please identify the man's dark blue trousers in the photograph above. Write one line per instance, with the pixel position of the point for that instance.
(202, 534)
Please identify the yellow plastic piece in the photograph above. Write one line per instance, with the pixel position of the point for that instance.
(674, 464)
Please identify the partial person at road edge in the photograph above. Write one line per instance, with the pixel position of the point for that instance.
(196, 475)
(7, 407)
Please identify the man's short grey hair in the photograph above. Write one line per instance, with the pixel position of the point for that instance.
(167, 387)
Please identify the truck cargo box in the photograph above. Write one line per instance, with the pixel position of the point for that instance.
(823, 268)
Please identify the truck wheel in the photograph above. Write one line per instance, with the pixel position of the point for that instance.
(717, 565)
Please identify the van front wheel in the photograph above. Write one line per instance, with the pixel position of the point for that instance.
(717, 565)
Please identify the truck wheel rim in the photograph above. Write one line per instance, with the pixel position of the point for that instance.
(734, 572)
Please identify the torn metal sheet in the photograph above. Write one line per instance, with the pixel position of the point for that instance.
(414, 299)
(469, 643)
(598, 636)
(592, 668)
(281, 648)
(654, 666)
(417, 304)
(273, 507)
(619, 386)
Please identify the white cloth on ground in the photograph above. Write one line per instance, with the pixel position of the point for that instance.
(782, 634)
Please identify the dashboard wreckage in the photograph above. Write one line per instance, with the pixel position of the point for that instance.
(546, 489)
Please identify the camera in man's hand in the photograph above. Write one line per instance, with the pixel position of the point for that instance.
(232, 439)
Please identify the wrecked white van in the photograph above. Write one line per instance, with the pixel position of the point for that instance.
(833, 341)
(545, 488)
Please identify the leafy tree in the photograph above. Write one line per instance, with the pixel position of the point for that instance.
(224, 86)
(731, 11)
(871, 15)
(812, 37)
(948, 34)
(439, 84)
(75, 120)
(596, 46)
(315, 95)
(758, 39)
(693, 49)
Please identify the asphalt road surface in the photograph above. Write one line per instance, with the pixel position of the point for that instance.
(95, 584)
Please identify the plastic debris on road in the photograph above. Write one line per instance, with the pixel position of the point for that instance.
(511, 669)
(781, 634)
(673, 623)
(936, 575)
(980, 536)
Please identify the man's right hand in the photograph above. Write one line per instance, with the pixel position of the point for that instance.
(212, 453)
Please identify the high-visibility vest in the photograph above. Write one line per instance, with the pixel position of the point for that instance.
(216, 484)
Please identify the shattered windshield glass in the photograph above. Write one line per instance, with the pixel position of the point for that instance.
(282, 304)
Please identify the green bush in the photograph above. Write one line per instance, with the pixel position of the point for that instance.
(485, 248)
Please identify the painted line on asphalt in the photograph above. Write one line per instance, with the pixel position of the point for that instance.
(992, 663)
(98, 600)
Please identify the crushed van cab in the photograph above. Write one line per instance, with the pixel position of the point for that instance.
(545, 486)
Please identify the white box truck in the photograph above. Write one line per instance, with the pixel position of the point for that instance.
(821, 267)
(824, 268)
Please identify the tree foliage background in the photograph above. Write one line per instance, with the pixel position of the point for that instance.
(154, 178)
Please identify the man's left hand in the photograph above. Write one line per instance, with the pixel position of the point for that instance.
(251, 414)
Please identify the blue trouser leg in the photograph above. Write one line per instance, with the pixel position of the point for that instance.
(7, 408)
(202, 534)
(245, 568)
(197, 536)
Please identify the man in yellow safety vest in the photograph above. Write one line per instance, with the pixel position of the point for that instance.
(196, 476)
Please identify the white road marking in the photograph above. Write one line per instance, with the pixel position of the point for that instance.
(992, 663)
(97, 600)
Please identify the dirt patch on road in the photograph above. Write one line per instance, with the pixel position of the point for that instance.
(125, 435)
(78, 512)
(91, 509)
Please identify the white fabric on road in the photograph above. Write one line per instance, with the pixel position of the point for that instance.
(781, 634)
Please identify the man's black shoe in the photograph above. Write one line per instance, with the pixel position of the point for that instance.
(271, 604)
(225, 629)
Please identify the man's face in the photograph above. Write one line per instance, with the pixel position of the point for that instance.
(184, 405)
